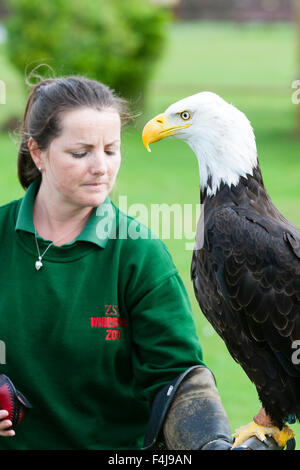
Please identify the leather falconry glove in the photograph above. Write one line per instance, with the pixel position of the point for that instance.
(196, 419)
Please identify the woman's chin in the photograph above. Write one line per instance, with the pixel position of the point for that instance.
(96, 201)
(91, 197)
(92, 200)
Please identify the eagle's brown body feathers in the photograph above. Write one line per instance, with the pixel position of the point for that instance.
(246, 279)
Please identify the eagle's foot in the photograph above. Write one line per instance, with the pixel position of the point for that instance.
(243, 433)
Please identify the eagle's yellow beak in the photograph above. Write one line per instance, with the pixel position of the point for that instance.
(158, 128)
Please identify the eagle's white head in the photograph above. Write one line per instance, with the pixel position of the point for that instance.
(220, 135)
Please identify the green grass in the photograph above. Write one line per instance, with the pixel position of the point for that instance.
(252, 67)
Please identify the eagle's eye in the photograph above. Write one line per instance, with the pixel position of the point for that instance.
(185, 115)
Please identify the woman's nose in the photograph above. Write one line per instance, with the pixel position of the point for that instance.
(99, 163)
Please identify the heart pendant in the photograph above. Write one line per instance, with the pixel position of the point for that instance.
(38, 265)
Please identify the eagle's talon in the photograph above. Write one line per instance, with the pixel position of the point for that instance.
(243, 433)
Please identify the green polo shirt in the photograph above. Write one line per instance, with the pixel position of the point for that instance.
(95, 333)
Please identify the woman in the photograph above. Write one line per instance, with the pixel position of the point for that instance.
(96, 322)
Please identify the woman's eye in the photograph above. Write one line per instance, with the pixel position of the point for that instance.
(185, 115)
(110, 152)
(79, 154)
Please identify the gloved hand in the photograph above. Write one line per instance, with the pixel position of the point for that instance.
(13, 401)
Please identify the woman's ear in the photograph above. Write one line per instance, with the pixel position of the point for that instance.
(35, 152)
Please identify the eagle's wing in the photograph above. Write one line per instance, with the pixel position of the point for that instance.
(247, 282)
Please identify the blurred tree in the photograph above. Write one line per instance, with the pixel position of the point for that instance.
(115, 41)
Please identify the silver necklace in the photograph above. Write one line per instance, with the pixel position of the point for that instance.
(38, 263)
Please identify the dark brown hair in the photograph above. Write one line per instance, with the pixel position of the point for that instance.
(47, 100)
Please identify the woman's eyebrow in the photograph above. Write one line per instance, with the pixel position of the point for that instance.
(117, 141)
(84, 143)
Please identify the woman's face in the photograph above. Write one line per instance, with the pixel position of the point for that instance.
(81, 164)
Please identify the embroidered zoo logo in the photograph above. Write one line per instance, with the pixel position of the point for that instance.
(111, 321)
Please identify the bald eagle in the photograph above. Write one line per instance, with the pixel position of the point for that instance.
(246, 271)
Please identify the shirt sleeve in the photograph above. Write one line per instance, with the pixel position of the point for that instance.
(164, 337)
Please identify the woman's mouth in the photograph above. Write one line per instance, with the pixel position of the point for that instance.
(95, 185)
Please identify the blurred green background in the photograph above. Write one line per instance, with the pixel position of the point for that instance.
(251, 65)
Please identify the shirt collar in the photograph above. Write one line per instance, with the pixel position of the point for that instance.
(99, 228)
